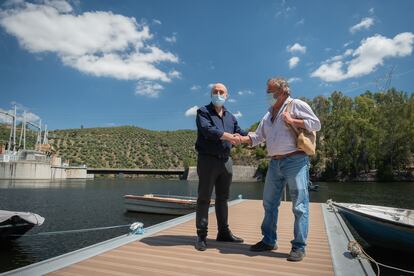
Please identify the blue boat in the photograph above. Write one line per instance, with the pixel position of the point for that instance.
(386, 227)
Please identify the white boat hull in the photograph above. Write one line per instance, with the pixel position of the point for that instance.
(155, 206)
(381, 226)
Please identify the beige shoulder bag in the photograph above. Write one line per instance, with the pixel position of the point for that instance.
(305, 140)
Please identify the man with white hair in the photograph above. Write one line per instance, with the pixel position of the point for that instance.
(216, 128)
(288, 164)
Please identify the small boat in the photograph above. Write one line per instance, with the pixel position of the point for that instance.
(160, 204)
(15, 224)
(385, 227)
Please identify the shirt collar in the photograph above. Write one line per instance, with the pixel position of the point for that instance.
(211, 106)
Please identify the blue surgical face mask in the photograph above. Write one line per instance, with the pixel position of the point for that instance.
(218, 100)
(270, 99)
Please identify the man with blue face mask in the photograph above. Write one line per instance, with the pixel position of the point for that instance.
(288, 165)
(216, 129)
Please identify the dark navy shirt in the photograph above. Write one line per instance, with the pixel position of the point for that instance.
(210, 127)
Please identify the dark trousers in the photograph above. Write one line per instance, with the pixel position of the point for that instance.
(213, 172)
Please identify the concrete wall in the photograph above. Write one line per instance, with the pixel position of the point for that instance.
(58, 173)
(36, 170)
(75, 173)
(240, 174)
(24, 170)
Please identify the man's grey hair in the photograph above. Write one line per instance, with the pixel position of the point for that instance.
(280, 83)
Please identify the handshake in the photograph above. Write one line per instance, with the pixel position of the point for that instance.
(236, 138)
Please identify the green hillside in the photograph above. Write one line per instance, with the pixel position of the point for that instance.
(125, 147)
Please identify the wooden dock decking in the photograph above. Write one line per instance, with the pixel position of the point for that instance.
(171, 251)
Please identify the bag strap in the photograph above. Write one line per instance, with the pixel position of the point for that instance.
(294, 131)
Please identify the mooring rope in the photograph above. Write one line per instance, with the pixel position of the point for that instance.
(356, 249)
(135, 228)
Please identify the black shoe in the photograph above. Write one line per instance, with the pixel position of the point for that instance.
(200, 244)
(261, 246)
(296, 255)
(228, 237)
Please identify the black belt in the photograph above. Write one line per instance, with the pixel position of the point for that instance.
(278, 157)
(218, 156)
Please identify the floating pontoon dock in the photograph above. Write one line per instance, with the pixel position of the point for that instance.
(168, 249)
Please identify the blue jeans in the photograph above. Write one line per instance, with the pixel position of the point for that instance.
(294, 171)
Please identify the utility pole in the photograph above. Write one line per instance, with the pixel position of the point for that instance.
(23, 132)
(39, 134)
(45, 140)
(12, 132)
(14, 128)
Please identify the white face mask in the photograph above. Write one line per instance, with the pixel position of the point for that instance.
(270, 99)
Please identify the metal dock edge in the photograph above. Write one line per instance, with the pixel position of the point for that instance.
(339, 235)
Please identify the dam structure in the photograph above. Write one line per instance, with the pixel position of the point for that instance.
(19, 163)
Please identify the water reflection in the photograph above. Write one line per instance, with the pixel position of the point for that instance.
(39, 184)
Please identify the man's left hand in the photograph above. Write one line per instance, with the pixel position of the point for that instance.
(287, 118)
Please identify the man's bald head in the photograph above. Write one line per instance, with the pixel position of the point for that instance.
(219, 89)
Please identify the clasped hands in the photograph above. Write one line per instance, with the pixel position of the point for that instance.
(237, 139)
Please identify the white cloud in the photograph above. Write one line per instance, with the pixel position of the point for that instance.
(195, 87)
(284, 10)
(348, 52)
(296, 48)
(20, 109)
(365, 23)
(238, 114)
(371, 11)
(60, 5)
(294, 79)
(98, 43)
(192, 111)
(334, 58)
(5, 119)
(156, 21)
(231, 100)
(174, 74)
(300, 22)
(148, 88)
(171, 39)
(293, 62)
(245, 92)
(210, 85)
(348, 43)
(366, 58)
(30, 117)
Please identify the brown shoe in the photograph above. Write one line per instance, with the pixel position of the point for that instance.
(296, 255)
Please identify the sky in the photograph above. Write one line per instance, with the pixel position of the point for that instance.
(151, 63)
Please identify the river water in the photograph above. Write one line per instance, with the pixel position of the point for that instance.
(80, 204)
